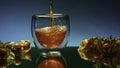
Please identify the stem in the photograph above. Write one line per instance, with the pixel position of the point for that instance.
(98, 65)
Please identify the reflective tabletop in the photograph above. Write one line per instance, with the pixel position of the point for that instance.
(69, 53)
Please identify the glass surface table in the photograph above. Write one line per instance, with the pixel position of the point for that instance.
(69, 53)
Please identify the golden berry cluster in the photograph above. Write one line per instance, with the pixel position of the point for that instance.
(99, 49)
(14, 53)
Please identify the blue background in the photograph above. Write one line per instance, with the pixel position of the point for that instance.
(87, 17)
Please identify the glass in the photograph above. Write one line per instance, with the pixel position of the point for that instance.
(51, 59)
(50, 32)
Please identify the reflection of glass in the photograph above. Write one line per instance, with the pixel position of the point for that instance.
(49, 35)
(52, 59)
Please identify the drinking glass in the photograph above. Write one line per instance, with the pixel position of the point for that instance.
(50, 32)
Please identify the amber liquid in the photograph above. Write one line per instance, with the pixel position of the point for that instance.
(51, 37)
(51, 63)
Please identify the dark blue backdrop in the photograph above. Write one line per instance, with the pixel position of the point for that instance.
(88, 18)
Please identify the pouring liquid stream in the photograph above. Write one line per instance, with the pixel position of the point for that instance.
(51, 13)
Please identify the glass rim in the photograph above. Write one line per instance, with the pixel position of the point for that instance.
(48, 15)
